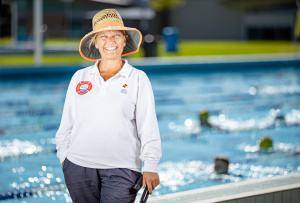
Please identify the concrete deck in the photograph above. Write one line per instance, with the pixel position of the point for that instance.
(281, 189)
(215, 59)
(172, 64)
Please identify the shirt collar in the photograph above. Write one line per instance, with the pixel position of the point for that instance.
(125, 71)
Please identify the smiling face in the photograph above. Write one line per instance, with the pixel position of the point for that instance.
(110, 44)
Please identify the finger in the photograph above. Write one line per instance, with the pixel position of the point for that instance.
(149, 188)
(144, 182)
(155, 184)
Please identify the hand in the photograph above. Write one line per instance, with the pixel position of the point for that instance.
(151, 179)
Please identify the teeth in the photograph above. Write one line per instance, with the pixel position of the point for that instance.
(111, 48)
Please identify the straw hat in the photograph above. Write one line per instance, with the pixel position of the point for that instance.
(109, 19)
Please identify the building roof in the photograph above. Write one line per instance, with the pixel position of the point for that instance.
(259, 4)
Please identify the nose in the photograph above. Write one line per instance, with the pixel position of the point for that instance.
(111, 38)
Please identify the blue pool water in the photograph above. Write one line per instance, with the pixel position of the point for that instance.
(243, 104)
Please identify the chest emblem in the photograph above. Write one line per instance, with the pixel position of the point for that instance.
(124, 90)
(83, 87)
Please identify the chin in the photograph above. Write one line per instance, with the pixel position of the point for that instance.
(112, 57)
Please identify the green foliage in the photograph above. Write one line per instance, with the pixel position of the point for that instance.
(203, 48)
(160, 5)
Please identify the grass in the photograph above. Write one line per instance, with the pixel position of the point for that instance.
(48, 59)
(185, 48)
(200, 48)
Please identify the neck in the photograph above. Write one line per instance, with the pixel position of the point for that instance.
(110, 66)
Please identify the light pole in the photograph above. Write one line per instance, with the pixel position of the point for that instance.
(38, 34)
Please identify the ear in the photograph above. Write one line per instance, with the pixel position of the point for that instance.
(125, 38)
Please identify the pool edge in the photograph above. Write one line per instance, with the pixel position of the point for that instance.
(284, 187)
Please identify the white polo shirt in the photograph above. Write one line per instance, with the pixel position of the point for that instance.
(110, 124)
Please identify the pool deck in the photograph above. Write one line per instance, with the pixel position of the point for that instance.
(216, 63)
(277, 189)
(216, 59)
(188, 60)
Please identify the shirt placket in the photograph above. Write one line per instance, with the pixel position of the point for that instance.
(105, 84)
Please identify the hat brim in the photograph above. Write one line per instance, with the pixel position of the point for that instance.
(91, 53)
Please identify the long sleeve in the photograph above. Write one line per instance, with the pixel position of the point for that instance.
(147, 126)
(63, 134)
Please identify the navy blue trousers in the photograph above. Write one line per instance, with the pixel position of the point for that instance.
(89, 185)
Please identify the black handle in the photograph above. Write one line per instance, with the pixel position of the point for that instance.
(145, 195)
(135, 189)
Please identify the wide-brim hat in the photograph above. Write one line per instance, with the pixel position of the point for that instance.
(109, 19)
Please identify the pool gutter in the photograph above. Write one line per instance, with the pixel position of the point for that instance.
(281, 189)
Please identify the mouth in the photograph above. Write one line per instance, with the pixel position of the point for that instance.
(110, 48)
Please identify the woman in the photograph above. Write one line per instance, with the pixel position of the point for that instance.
(109, 125)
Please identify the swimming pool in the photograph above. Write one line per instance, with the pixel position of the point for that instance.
(243, 103)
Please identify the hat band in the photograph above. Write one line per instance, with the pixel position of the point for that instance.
(108, 24)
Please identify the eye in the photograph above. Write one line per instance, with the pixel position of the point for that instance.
(103, 36)
(117, 35)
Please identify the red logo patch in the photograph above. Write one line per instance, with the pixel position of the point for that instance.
(83, 87)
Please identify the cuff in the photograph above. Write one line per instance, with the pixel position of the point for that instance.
(150, 167)
(62, 156)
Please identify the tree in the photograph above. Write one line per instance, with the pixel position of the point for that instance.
(162, 8)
